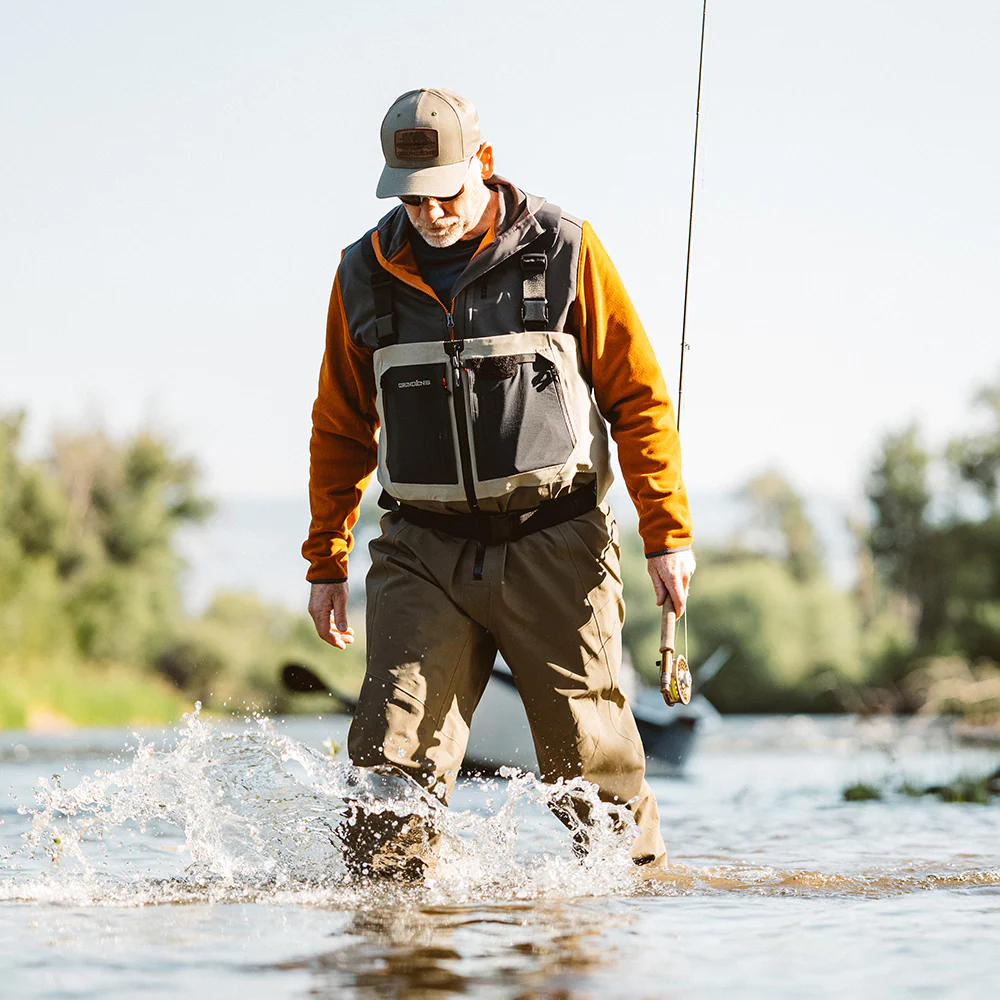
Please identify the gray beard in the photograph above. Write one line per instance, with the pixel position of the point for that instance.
(450, 235)
(440, 238)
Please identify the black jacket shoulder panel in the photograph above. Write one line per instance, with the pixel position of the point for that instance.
(356, 289)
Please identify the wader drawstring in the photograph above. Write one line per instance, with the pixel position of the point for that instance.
(675, 675)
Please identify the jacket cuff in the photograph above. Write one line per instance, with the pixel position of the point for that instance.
(667, 552)
(341, 579)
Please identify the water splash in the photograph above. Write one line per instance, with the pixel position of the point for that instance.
(252, 815)
(255, 814)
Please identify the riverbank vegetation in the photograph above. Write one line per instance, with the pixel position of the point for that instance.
(977, 789)
(93, 628)
(920, 629)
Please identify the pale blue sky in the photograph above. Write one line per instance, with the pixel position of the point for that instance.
(178, 180)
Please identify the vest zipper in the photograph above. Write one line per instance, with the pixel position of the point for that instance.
(458, 398)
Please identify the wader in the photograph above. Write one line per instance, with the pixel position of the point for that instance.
(493, 459)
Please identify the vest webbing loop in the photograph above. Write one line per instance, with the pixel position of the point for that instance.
(534, 307)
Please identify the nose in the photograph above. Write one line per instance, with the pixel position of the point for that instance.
(431, 210)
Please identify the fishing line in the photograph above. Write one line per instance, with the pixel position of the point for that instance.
(686, 615)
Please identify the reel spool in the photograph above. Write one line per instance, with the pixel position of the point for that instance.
(675, 675)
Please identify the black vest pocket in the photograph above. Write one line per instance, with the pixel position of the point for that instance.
(519, 416)
(418, 436)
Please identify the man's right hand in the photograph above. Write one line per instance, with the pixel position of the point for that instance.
(328, 610)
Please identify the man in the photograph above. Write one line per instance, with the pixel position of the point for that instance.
(489, 336)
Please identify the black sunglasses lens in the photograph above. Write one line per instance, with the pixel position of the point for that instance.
(416, 200)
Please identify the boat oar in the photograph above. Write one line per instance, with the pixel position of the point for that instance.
(710, 667)
(300, 679)
(675, 675)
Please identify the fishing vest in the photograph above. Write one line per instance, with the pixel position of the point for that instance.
(483, 407)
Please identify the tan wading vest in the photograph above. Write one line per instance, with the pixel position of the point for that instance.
(483, 407)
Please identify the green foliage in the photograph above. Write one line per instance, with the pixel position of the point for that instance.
(794, 642)
(798, 643)
(943, 553)
(232, 655)
(862, 791)
(55, 692)
(899, 492)
(778, 511)
(977, 789)
(91, 625)
(977, 458)
(86, 559)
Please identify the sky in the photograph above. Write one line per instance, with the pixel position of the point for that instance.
(177, 181)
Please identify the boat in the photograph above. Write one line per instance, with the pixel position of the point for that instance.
(500, 736)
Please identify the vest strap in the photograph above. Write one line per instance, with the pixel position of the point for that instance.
(534, 307)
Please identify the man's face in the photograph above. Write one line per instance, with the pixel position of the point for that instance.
(442, 223)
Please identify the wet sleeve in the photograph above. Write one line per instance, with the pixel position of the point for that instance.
(632, 396)
(343, 451)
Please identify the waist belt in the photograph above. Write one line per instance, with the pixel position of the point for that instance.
(492, 529)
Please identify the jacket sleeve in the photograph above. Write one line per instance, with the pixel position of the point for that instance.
(632, 396)
(342, 451)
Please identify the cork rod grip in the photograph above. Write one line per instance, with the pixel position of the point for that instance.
(668, 625)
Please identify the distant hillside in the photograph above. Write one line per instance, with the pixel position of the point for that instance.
(253, 543)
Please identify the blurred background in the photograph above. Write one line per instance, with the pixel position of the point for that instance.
(178, 181)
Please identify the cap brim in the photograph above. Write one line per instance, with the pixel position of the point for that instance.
(428, 182)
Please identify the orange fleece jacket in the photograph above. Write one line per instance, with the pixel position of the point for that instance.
(620, 365)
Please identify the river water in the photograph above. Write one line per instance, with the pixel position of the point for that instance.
(199, 862)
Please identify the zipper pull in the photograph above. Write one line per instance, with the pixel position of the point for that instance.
(453, 348)
(450, 321)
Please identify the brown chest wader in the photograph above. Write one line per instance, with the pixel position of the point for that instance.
(446, 590)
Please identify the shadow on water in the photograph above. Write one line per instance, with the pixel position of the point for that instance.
(537, 948)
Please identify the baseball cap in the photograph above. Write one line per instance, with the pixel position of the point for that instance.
(428, 138)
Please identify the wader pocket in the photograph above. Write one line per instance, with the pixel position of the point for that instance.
(519, 417)
(419, 443)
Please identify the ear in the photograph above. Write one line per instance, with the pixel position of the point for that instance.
(485, 155)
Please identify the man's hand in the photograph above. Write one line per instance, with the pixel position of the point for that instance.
(328, 610)
(671, 574)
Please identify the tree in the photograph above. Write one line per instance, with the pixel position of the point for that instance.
(898, 491)
(780, 519)
(977, 458)
(86, 540)
(944, 557)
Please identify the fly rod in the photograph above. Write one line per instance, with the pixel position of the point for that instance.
(675, 675)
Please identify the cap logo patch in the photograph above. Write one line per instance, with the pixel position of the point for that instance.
(416, 143)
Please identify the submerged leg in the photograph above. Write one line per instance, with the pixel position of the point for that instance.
(561, 636)
(428, 664)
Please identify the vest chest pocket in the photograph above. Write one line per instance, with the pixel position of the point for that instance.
(519, 418)
(418, 427)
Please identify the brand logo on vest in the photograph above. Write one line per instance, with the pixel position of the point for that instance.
(416, 143)
(413, 385)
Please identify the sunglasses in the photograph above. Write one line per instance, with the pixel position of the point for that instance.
(415, 200)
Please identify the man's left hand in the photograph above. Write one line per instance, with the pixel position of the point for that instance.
(671, 575)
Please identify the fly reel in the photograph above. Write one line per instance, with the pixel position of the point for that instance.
(675, 675)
